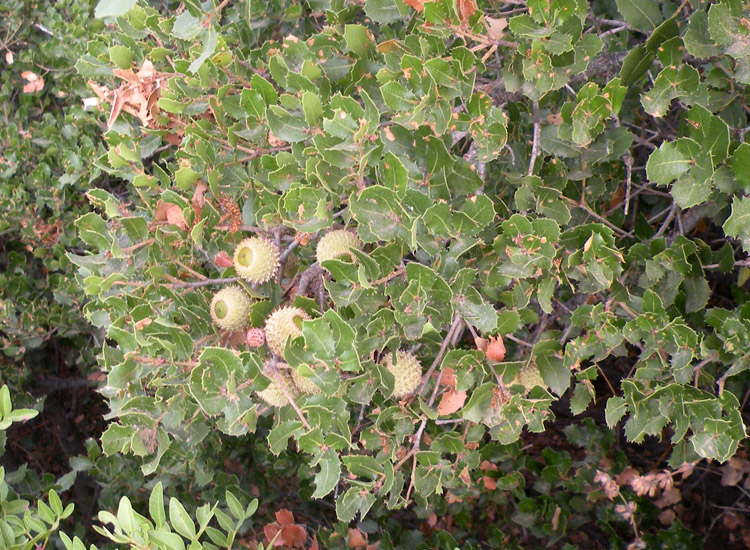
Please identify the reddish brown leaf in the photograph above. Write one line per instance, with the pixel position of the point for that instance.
(284, 517)
(293, 535)
(34, 82)
(464, 476)
(448, 378)
(161, 210)
(356, 539)
(175, 216)
(222, 259)
(270, 530)
(416, 4)
(451, 402)
(466, 9)
(198, 200)
(489, 483)
(487, 466)
(496, 349)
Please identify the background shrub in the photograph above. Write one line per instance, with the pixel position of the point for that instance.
(551, 203)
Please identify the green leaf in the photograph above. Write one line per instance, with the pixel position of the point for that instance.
(636, 64)
(125, 516)
(156, 505)
(328, 476)
(210, 40)
(383, 11)
(397, 97)
(279, 436)
(286, 126)
(113, 8)
(738, 223)
(180, 519)
(644, 15)
(666, 163)
(615, 410)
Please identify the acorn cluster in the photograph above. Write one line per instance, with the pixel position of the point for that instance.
(257, 260)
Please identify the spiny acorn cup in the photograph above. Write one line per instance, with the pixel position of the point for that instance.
(273, 394)
(337, 243)
(529, 377)
(406, 370)
(256, 259)
(230, 308)
(282, 324)
(305, 385)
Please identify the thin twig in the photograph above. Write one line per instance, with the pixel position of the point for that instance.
(593, 214)
(536, 144)
(439, 357)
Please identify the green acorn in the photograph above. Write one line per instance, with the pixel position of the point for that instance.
(407, 372)
(529, 377)
(230, 308)
(337, 243)
(282, 324)
(256, 259)
(305, 385)
(273, 394)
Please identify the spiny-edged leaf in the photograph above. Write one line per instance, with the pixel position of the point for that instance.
(738, 223)
(667, 163)
(328, 476)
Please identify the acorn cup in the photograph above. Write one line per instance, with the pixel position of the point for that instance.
(256, 259)
(406, 370)
(230, 308)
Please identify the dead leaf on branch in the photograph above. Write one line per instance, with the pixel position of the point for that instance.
(137, 95)
(451, 402)
(466, 8)
(496, 27)
(357, 539)
(416, 4)
(34, 82)
(289, 533)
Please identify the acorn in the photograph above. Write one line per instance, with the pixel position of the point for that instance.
(282, 324)
(256, 259)
(305, 385)
(529, 377)
(273, 394)
(407, 372)
(337, 243)
(230, 308)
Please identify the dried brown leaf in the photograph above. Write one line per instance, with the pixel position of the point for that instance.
(356, 539)
(466, 8)
(284, 517)
(293, 535)
(416, 4)
(34, 82)
(222, 259)
(448, 378)
(176, 217)
(451, 402)
(496, 27)
(496, 349)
